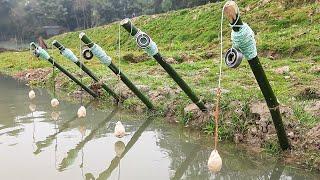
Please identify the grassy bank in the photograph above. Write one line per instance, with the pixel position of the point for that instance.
(288, 44)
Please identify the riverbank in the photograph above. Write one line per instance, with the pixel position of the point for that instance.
(292, 67)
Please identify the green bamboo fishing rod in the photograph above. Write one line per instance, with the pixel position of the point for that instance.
(106, 60)
(145, 42)
(67, 53)
(243, 40)
(39, 52)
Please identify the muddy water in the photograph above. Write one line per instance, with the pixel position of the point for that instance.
(35, 146)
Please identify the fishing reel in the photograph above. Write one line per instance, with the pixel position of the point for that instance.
(145, 42)
(33, 50)
(87, 54)
(233, 58)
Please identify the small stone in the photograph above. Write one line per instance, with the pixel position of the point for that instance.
(190, 108)
(171, 61)
(238, 137)
(254, 130)
(291, 135)
(313, 108)
(282, 70)
(315, 69)
(287, 77)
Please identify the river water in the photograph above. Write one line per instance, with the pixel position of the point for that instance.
(33, 145)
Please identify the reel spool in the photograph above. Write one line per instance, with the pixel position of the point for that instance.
(87, 54)
(233, 58)
(143, 40)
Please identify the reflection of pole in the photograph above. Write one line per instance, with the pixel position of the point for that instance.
(56, 146)
(277, 170)
(105, 59)
(116, 160)
(231, 11)
(73, 153)
(68, 53)
(48, 141)
(145, 42)
(185, 164)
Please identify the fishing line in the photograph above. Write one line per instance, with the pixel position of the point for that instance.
(80, 73)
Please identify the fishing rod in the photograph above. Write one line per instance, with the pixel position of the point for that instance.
(41, 53)
(106, 60)
(243, 42)
(116, 160)
(150, 47)
(73, 153)
(67, 53)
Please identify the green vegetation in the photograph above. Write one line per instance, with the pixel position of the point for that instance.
(286, 36)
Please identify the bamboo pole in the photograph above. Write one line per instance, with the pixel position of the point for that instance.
(57, 65)
(134, 31)
(122, 76)
(58, 45)
(231, 12)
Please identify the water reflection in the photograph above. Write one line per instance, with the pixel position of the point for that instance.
(116, 160)
(73, 153)
(48, 140)
(87, 149)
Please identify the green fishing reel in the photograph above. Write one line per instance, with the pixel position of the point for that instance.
(233, 58)
(87, 53)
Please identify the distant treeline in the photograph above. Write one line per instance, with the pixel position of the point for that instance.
(24, 19)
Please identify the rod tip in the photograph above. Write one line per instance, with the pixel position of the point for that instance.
(54, 42)
(231, 10)
(81, 35)
(124, 21)
(33, 45)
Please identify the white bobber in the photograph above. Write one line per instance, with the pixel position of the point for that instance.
(82, 112)
(119, 147)
(32, 94)
(55, 115)
(54, 102)
(32, 107)
(214, 162)
(119, 130)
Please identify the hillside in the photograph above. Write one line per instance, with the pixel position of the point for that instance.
(288, 45)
